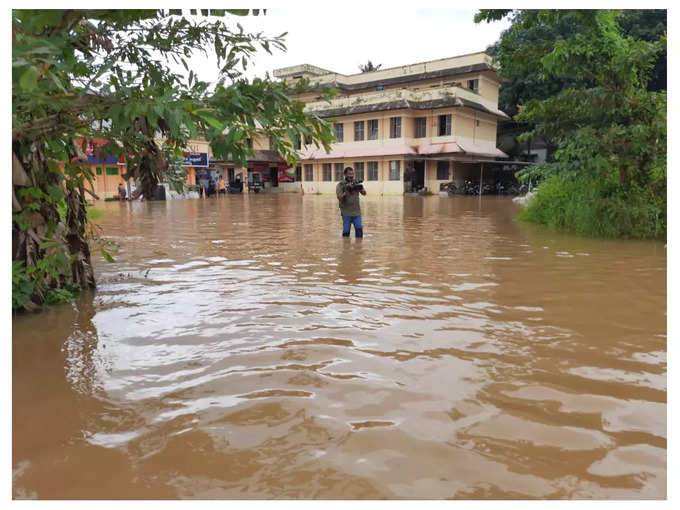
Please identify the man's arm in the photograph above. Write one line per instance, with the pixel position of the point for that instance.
(341, 192)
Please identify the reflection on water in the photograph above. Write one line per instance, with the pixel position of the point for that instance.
(240, 348)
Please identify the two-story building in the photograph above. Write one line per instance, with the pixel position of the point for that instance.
(405, 128)
(402, 129)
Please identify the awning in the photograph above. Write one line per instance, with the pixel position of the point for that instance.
(480, 150)
(440, 148)
(462, 148)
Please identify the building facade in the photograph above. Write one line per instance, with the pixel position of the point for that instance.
(108, 171)
(403, 129)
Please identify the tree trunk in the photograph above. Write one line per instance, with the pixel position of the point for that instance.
(151, 165)
(39, 234)
(76, 221)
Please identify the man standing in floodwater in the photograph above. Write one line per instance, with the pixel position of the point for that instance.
(348, 200)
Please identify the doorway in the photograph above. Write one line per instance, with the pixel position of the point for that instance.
(417, 176)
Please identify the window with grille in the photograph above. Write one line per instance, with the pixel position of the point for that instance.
(473, 85)
(358, 130)
(99, 170)
(339, 131)
(112, 170)
(420, 127)
(309, 172)
(395, 170)
(395, 127)
(358, 171)
(372, 170)
(373, 129)
(298, 173)
(308, 139)
(445, 125)
(327, 172)
(443, 170)
(339, 172)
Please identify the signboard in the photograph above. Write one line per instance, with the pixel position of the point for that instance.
(286, 174)
(93, 151)
(196, 159)
(108, 160)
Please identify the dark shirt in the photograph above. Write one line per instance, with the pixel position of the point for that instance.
(350, 205)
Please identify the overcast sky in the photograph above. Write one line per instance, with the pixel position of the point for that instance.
(339, 38)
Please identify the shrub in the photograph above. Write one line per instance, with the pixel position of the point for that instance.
(593, 208)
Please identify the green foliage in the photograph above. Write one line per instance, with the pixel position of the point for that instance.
(22, 286)
(93, 213)
(648, 25)
(592, 208)
(62, 296)
(369, 67)
(107, 255)
(608, 129)
(78, 75)
(490, 15)
(27, 282)
(106, 74)
(519, 52)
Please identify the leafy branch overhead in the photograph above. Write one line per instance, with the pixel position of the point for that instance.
(125, 77)
(114, 67)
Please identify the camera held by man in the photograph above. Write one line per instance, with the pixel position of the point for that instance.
(353, 185)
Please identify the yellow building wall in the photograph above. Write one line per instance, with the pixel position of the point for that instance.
(383, 186)
(475, 127)
(191, 176)
(486, 130)
(106, 186)
(464, 125)
(488, 88)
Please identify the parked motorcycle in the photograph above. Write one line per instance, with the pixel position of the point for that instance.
(449, 187)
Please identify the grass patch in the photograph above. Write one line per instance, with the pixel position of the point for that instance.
(94, 214)
(586, 207)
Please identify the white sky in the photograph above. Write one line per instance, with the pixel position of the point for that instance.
(339, 38)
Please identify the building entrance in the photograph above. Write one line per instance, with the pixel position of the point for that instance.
(415, 177)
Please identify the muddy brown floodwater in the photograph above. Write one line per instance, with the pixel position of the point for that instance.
(240, 348)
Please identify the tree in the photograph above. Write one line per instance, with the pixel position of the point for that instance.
(524, 44)
(369, 67)
(84, 74)
(648, 25)
(608, 176)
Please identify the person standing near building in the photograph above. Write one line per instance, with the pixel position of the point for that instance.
(348, 192)
(122, 192)
(203, 183)
(221, 188)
